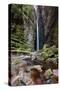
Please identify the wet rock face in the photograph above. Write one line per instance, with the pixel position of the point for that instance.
(48, 17)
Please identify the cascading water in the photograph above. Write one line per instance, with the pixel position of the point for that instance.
(35, 7)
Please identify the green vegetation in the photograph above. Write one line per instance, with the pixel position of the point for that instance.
(19, 15)
(49, 52)
(49, 56)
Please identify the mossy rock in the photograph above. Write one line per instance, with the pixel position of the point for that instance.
(21, 52)
(52, 63)
(44, 55)
(47, 52)
(54, 49)
(50, 52)
(16, 62)
(48, 73)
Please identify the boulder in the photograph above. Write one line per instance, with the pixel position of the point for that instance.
(48, 73)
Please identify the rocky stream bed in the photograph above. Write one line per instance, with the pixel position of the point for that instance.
(21, 64)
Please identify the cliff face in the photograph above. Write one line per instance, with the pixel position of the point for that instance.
(29, 26)
(50, 23)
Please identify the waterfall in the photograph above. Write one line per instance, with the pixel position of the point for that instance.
(35, 7)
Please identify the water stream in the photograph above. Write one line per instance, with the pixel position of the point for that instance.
(35, 7)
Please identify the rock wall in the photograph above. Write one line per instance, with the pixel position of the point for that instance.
(50, 22)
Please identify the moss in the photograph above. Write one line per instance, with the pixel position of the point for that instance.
(16, 62)
(48, 52)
